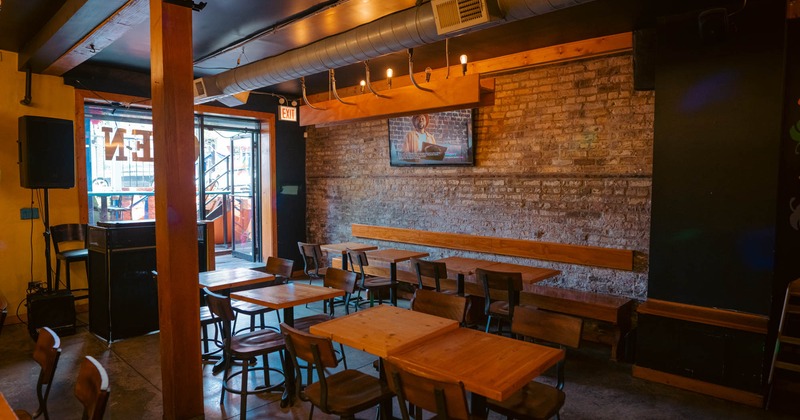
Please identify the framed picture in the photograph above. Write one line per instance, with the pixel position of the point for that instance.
(441, 138)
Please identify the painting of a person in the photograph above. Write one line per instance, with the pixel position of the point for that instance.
(418, 135)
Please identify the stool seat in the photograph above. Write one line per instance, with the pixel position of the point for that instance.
(74, 255)
(256, 343)
(62, 234)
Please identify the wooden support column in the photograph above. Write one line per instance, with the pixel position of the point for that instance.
(176, 217)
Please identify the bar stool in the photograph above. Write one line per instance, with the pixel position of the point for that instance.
(71, 232)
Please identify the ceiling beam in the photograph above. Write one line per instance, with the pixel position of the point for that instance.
(69, 25)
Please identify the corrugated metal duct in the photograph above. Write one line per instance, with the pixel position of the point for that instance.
(397, 32)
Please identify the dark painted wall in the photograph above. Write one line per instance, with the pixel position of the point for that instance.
(715, 169)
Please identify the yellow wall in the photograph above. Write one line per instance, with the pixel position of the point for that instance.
(51, 98)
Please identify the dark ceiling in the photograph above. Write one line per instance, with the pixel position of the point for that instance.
(228, 33)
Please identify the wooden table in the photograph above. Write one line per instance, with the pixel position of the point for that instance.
(342, 248)
(286, 297)
(463, 267)
(394, 256)
(490, 366)
(383, 330)
(6, 412)
(220, 280)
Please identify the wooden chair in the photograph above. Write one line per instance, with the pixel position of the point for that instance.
(494, 283)
(313, 261)
(61, 234)
(372, 285)
(3, 311)
(92, 388)
(243, 349)
(46, 354)
(338, 279)
(343, 393)
(537, 400)
(282, 270)
(433, 269)
(421, 390)
(440, 304)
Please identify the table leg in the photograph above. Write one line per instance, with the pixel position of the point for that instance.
(393, 288)
(478, 409)
(460, 284)
(288, 369)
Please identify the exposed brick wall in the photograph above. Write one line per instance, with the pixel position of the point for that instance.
(564, 155)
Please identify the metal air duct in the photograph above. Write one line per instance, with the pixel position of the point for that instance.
(397, 32)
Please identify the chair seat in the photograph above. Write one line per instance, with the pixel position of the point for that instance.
(256, 343)
(349, 391)
(534, 401)
(499, 307)
(372, 282)
(303, 324)
(248, 308)
(74, 255)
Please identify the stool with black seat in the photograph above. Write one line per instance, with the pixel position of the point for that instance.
(62, 234)
(372, 285)
(498, 283)
(243, 349)
(343, 393)
(281, 268)
(537, 400)
(46, 354)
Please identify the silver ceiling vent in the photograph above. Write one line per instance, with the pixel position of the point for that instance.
(456, 15)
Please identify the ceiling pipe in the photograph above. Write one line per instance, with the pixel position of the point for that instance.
(400, 31)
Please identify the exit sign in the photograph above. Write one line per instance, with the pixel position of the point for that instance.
(287, 113)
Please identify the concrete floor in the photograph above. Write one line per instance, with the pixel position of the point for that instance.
(596, 388)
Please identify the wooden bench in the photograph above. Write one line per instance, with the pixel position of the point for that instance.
(607, 318)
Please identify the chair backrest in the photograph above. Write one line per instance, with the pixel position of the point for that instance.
(357, 261)
(67, 233)
(92, 388)
(500, 281)
(280, 268)
(438, 395)
(340, 279)
(220, 306)
(551, 327)
(46, 354)
(313, 350)
(312, 257)
(440, 304)
(3, 311)
(433, 269)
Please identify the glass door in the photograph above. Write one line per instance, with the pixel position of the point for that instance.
(243, 198)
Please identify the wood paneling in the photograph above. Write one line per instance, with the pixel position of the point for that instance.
(574, 254)
(456, 93)
(711, 316)
(719, 391)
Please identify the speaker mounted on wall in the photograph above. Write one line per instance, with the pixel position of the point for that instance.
(46, 153)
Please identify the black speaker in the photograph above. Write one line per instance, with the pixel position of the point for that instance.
(55, 310)
(46, 153)
(644, 68)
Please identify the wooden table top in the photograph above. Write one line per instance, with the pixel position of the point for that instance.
(487, 364)
(384, 329)
(287, 295)
(462, 265)
(529, 274)
(392, 255)
(6, 412)
(344, 246)
(225, 279)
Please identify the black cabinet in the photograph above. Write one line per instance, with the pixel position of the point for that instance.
(123, 292)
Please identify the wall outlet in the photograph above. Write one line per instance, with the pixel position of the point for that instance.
(28, 213)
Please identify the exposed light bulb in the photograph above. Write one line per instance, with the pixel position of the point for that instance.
(363, 85)
(294, 102)
(428, 74)
(389, 73)
(463, 60)
(281, 101)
